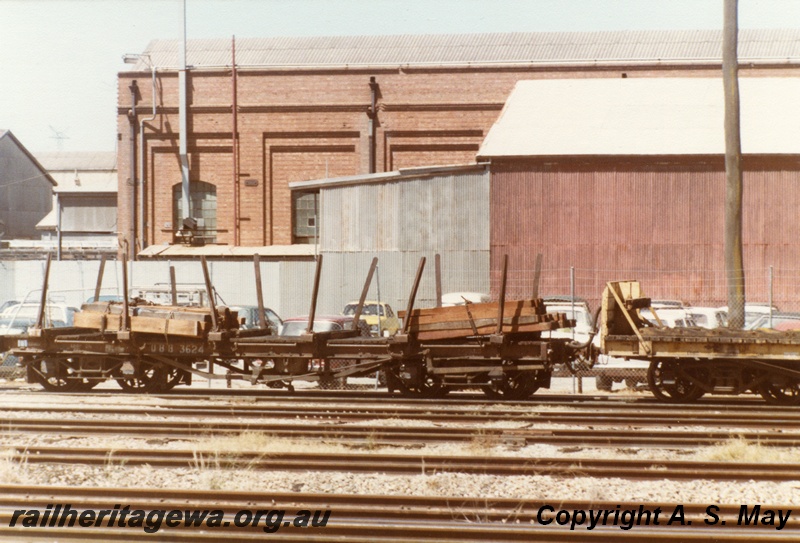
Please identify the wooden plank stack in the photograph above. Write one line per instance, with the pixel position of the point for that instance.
(194, 322)
(457, 321)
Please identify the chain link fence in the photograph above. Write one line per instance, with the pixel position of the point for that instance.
(680, 298)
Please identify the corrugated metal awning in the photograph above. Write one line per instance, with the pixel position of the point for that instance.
(222, 251)
(400, 175)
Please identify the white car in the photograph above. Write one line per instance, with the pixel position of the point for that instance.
(578, 311)
(753, 312)
(709, 317)
(57, 315)
(458, 298)
(671, 318)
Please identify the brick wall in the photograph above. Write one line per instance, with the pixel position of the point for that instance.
(306, 124)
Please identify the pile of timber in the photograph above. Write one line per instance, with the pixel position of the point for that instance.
(481, 319)
(181, 321)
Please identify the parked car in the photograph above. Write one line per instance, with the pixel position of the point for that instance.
(16, 319)
(576, 309)
(296, 326)
(776, 321)
(9, 369)
(105, 298)
(753, 312)
(57, 315)
(461, 298)
(667, 304)
(7, 304)
(611, 369)
(709, 317)
(379, 316)
(669, 317)
(159, 294)
(250, 315)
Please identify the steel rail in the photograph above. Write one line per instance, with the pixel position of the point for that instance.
(370, 395)
(358, 517)
(393, 435)
(352, 505)
(663, 417)
(413, 464)
(379, 530)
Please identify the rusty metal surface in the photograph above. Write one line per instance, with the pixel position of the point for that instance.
(657, 219)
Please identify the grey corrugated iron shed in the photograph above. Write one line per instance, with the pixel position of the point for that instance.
(650, 46)
(81, 160)
(643, 116)
(5, 133)
(82, 172)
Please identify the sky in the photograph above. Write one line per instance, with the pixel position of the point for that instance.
(59, 59)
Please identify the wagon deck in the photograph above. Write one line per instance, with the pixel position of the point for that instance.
(496, 346)
(686, 363)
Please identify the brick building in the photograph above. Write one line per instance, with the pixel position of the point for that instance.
(312, 108)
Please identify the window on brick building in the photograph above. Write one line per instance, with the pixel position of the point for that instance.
(305, 214)
(202, 205)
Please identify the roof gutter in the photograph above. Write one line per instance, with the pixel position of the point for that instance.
(570, 63)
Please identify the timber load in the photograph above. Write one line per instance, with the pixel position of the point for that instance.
(192, 322)
(476, 319)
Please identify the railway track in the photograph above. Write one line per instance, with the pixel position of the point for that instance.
(371, 517)
(377, 435)
(608, 416)
(413, 464)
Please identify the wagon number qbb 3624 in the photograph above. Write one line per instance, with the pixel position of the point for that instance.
(175, 348)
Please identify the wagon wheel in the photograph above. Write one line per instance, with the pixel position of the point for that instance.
(431, 387)
(666, 383)
(514, 387)
(85, 385)
(780, 390)
(54, 377)
(148, 378)
(173, 378)
(326, 379)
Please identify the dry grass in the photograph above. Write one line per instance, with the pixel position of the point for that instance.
(13, 468)
(254, 442)
(741, 450)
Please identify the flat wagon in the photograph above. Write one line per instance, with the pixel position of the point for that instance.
(497, 347)
(686, 363)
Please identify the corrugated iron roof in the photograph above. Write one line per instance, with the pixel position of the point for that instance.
(643, 116)
(530, 47)
(403, 174)
(81, 161)
(5, 133)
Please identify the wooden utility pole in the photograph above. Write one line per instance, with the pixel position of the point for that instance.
(734, 260)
